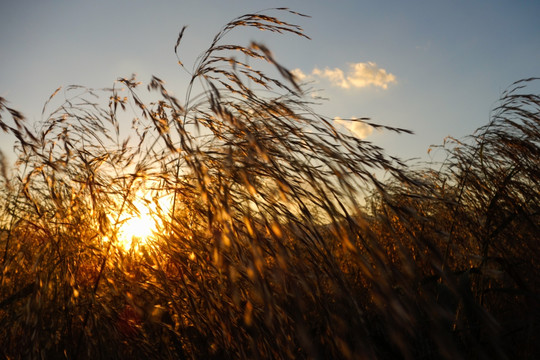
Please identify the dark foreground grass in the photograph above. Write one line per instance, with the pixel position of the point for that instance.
(278, 242)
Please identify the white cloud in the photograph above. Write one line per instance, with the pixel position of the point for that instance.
(335, 76)
(365, 74)
(359, 129)
(299, 74)
(359, 75)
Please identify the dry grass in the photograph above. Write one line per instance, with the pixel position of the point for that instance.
(266, 250)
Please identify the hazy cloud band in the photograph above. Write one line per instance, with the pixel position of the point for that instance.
(358, 75)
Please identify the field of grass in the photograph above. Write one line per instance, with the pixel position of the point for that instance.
(272, 237)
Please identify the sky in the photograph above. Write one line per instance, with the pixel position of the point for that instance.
(435, 67)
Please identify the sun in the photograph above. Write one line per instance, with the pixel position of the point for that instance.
(136, 228)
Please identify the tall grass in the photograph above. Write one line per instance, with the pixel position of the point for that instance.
(279, 242)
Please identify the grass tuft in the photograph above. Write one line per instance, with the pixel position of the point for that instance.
(272, 236)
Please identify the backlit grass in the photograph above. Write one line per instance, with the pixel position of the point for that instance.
(239, 223)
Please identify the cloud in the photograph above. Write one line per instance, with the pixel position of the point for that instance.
(365, 74)
(299, 74)
(359, 75)
(359, 129)
(335, 76)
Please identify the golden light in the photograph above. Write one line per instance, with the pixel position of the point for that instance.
(135, 230)
(138, 226)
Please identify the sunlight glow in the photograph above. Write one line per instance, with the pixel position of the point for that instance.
(137, 228)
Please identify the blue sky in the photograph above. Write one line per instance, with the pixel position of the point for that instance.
(435, 67)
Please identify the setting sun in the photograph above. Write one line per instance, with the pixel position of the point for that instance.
(137, 227)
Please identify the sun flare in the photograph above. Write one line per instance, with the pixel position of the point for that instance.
(137, 227)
